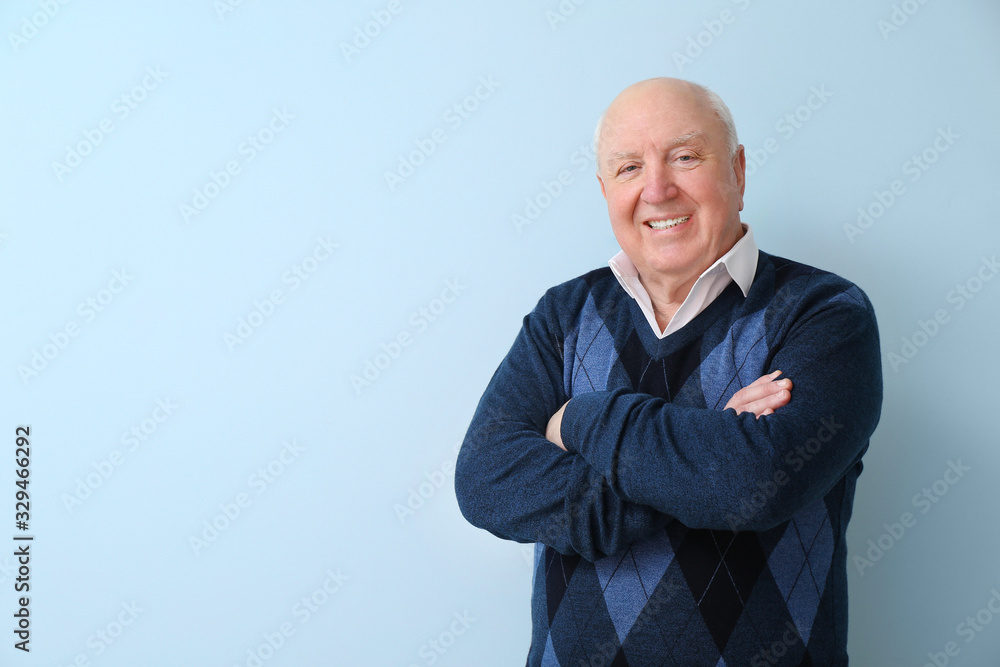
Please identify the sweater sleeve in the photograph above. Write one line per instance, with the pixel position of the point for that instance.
(706, 467)
(515, 483)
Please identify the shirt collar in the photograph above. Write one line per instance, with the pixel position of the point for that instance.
(740, 262)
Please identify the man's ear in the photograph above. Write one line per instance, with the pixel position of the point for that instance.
(740, 171)
(605, 194)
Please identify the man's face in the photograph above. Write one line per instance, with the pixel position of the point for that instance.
(674, 194)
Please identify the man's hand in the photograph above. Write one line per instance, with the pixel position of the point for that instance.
(555, 423)
(762, 397)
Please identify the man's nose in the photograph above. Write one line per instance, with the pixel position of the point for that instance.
(659, 185)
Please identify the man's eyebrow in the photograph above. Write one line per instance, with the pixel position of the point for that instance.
(687, 138)
(674, 143)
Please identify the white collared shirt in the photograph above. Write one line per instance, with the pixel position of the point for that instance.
(739, 265)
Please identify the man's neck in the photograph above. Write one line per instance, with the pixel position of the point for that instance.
(667, 292)
(666, 296)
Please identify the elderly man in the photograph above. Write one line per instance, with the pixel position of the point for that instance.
(687, 509)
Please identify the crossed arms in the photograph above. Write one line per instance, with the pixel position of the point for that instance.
(618, 465)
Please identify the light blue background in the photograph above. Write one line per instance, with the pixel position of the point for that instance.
(336, 506)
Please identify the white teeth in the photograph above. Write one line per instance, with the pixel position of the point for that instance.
(667, 224)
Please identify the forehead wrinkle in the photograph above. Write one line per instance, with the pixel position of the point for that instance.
(674, 143)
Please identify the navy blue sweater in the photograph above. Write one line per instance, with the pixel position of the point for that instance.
(674, 532)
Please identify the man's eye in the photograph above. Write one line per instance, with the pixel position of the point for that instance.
(627, 168)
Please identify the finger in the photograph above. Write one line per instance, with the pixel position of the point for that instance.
(765, 378)
(771, 402)
(755, 392)
(762, 387)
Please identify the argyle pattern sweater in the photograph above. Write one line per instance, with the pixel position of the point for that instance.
(674, 531)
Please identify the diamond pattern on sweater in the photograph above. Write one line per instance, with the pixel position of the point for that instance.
(636, 361)
(549, 658)
(629, 579)
(730, 366)
(800, 563)
(593, 353)
(558, 571)
(721, 569)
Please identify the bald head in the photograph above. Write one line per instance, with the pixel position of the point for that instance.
(664, 93)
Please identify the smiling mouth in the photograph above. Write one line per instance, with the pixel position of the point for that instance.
(668, 223)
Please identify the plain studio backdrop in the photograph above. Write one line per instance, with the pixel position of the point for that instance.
(259, 260)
